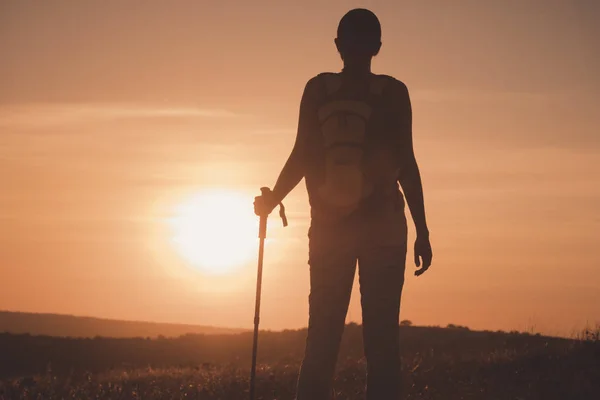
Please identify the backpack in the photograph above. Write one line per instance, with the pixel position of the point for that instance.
(347, 127)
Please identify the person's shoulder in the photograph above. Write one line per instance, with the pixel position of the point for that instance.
(318, 79)
(317, 85)
(395, 85)
(326, 75)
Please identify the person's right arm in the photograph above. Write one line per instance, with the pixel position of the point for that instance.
(294, 169)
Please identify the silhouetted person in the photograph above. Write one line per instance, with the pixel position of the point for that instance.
(353, 147)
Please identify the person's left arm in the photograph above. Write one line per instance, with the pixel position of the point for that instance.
(410, 176)
(294, 169)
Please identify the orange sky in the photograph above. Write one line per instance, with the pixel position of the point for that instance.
(113, 113)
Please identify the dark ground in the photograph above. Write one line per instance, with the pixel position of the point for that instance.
(439, 363)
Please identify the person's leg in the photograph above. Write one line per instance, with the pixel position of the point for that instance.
(381, 269)
(332, 268)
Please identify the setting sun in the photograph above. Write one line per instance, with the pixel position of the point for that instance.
(215, 231)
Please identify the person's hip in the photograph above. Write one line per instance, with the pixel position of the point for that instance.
(384, 225)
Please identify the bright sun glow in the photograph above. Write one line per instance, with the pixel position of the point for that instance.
(216, 231)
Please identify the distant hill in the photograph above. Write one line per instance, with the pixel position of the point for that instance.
(74, 326)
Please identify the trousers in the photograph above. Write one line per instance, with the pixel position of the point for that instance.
(376, 243)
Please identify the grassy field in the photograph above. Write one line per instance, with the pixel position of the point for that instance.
(439, 363)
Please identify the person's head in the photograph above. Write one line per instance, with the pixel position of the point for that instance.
(358, 36)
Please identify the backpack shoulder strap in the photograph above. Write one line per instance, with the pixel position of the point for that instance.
(332, 82)
(378, 84)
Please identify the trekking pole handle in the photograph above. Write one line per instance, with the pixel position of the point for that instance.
(265, 191)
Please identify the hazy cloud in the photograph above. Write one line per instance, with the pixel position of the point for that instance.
(478, 96)
(52, 115)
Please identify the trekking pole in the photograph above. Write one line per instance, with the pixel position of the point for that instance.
(262, 234)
